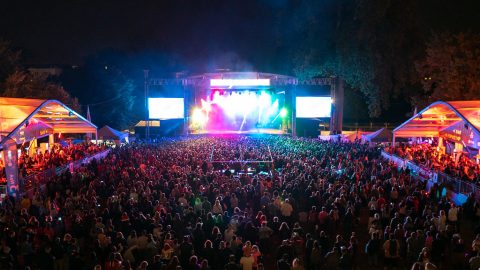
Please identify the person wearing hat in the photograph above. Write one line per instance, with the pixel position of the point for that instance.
(345, 259)
(283, 263)
(231, 265)
(186, 250)
(264, 234)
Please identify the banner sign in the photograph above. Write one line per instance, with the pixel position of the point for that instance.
(11, 166)
(422, 173)
(32, 131)
(461, 133)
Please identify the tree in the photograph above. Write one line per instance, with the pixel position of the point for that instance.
(9, 60)
(21, 84)
(450, 69)
(18, 83)
(374, 46)
(103, 84)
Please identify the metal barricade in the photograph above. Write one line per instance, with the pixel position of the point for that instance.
(457, 185)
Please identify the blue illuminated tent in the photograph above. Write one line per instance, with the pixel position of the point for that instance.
(382, 135)
(107, 133)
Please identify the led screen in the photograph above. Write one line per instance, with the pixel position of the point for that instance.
(238, 111)
(313, 107)
(166, 108)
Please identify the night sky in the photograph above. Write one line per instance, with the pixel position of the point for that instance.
(201, 35)
(65, 32)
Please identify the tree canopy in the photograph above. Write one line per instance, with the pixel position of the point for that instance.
(373, 49)
(19, 83)
(450, 69)
(105, 84)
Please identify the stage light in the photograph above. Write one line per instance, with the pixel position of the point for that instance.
(265, 100)
(283, 112)
(206, 106)
(198, 117)
(239, 82)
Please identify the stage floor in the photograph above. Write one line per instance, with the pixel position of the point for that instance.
(270, 131)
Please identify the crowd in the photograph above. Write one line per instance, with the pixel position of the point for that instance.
(57, 156)
(428, 156)
(319, 205)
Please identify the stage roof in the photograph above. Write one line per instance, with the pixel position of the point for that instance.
(240, 75)
(21, 117)
(439, 116)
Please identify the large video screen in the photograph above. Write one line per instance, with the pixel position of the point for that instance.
(313, 107)
(166, 108)
(238, 111)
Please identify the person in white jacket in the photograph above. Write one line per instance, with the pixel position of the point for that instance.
(453, 215)
(217, 207)
(442, 221)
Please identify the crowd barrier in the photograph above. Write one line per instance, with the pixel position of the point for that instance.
(434, 177)
(28, 183)
(400, 162)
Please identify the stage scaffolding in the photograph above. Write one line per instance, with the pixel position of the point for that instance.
(194, 83)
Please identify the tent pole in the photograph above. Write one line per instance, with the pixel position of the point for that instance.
(96, 136)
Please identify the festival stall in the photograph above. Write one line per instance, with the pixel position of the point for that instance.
(107, 134)
(382, 135)
(455, 124)
(23, 121)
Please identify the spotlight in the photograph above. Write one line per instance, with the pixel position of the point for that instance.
(283, 112)
(198, 117)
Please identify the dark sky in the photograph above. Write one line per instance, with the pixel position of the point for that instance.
(204, 34)
(66, 31)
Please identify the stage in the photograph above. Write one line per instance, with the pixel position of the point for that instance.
(269, 131)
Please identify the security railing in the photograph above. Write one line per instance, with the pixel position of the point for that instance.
(457, 185)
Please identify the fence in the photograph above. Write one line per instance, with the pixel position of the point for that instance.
(401, 163)
(457, 185)
(28, 183)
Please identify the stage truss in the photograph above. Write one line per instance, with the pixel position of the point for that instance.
(198, 81)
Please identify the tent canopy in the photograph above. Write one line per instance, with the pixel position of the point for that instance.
(108, 133)
(151, 123)
(440, 115)
(23, 118)
(379, 136)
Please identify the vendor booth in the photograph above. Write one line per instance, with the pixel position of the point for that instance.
(382, 135)
(24, 121)
(108, 134)
(455, 124)
(443, 148)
